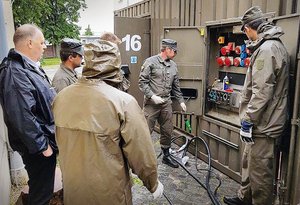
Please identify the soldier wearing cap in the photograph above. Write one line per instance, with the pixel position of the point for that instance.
(263, 109)
(158, 77)
(71, 53)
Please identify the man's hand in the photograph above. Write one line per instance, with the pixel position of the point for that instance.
(159, 190)
(183, 106)
(48, 152)
(246, 132)
(157, 100)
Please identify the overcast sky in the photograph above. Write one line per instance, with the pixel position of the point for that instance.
(99, 15)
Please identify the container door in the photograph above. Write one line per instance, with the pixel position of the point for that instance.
(291, 27)
(190, 62)
(135, 48)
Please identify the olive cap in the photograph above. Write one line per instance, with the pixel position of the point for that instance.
(169, 43)
(252, 14)
(71, 45)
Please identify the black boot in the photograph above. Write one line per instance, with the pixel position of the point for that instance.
(233, 201)
(167, 158)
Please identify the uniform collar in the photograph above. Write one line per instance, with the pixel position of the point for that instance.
(166, 62)
(68, 71)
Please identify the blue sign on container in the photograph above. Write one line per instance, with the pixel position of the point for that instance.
(133, 59)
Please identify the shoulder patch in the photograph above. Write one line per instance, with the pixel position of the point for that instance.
(259, 64)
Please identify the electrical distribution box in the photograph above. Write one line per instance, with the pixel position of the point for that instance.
(227, 64)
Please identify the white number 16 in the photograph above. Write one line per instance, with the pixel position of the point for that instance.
(133, 42)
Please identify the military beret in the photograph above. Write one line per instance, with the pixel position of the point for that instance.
(71, 45)
(169, 43)
(252, 14)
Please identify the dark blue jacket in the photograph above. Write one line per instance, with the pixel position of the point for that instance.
(26, 97)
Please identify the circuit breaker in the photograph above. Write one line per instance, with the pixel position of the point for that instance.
(228, 61)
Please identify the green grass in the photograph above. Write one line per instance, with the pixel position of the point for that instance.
(136, 180)
(50, 61)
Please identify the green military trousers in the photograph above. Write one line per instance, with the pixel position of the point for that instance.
(163, 114)
(258, 172)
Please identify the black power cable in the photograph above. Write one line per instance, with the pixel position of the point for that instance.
(170, 202)
(206, 186)
(211, 195)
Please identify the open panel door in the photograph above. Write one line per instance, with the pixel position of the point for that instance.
(190, 63)
(135, 48)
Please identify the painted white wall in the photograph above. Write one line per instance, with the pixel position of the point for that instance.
(119, 4)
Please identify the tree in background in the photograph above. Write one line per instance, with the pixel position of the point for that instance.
(88, 31)
(56, 18)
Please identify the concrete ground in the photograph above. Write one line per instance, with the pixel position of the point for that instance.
(180, 187)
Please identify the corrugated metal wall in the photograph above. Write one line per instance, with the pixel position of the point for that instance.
(138, 10)
(191, 13)
(223, 139)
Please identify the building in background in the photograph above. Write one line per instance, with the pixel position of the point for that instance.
(88, 39)
(120, 4)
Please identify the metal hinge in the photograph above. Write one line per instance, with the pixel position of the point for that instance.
(296, 122)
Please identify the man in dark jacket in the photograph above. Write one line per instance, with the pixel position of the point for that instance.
(263, 108)
(26, 96)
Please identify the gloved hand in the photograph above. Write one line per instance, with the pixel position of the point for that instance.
(157, 100)
(183, 106)
(159, 190)
(246, 132)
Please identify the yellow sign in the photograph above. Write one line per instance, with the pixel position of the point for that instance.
(202, 31)
(221, 40)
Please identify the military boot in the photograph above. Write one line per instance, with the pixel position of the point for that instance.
(167, 158)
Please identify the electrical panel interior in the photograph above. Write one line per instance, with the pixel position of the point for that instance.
(228, 61)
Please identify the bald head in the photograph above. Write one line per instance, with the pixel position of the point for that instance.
(108, 36)
(24, 32)
(29, 40)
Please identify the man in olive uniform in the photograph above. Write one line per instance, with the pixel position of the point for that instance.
(71, 53)
(263, 109)
(158, 77)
